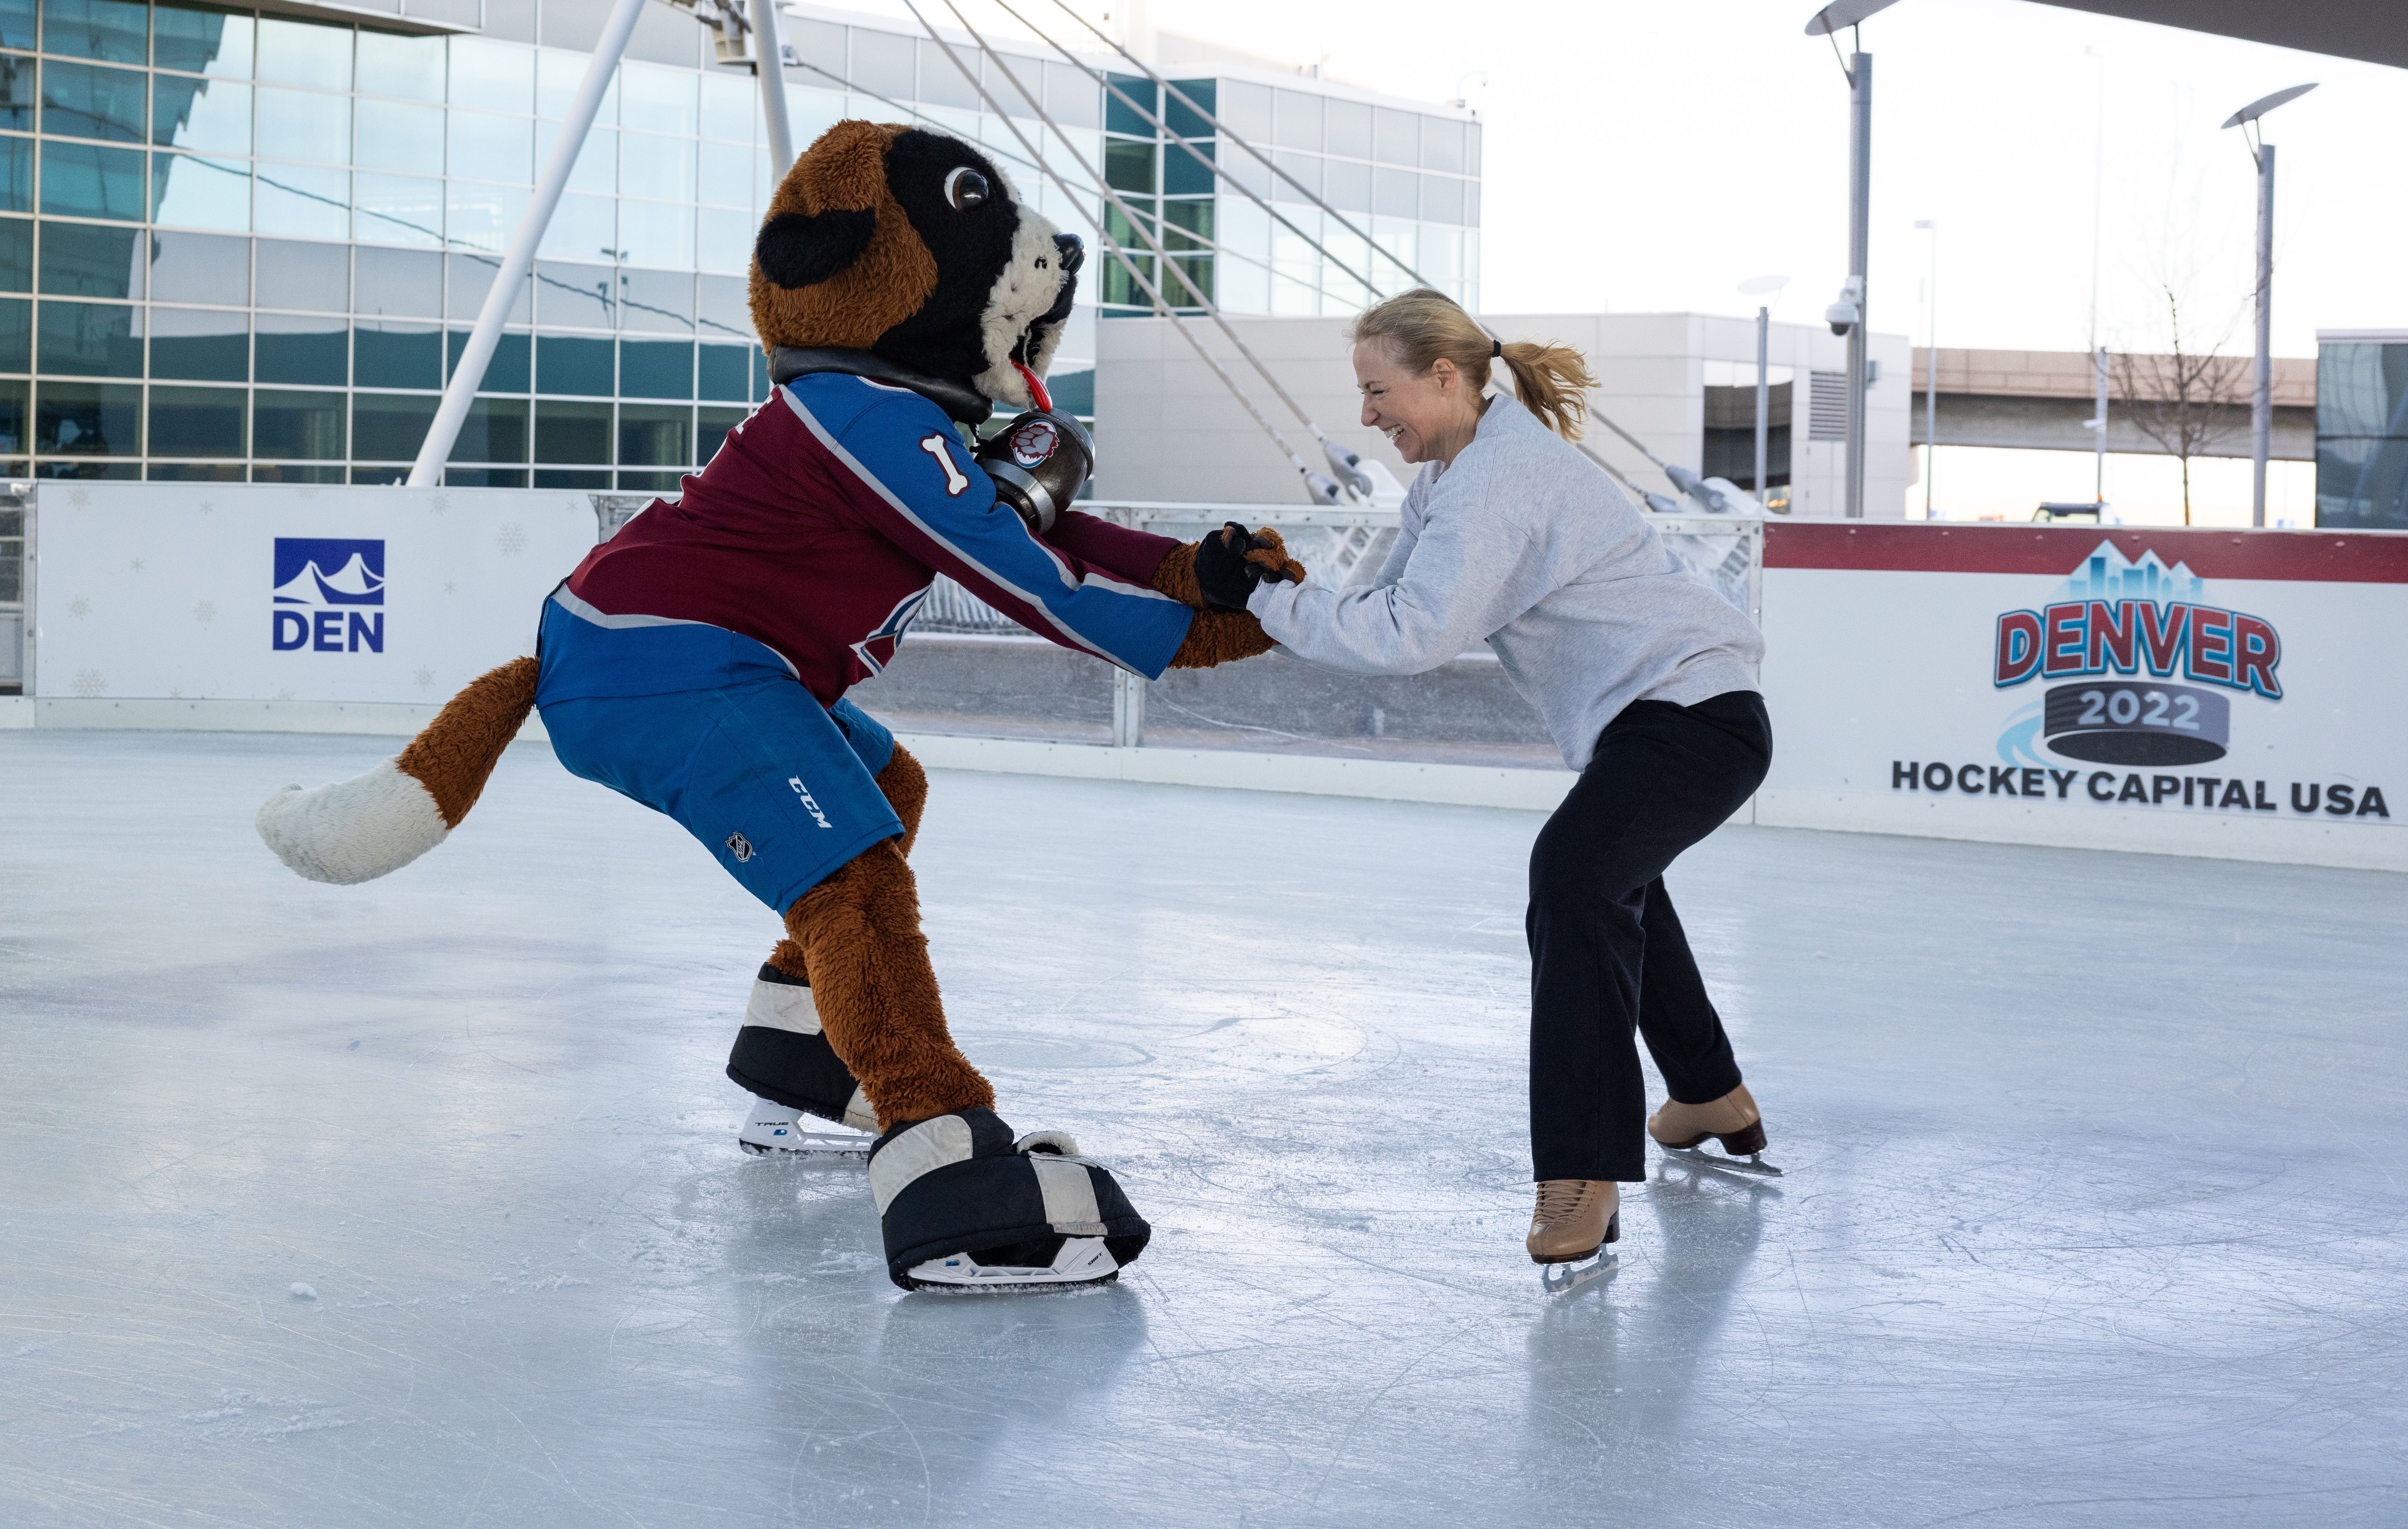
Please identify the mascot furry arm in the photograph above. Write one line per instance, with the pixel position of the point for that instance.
(699, 661)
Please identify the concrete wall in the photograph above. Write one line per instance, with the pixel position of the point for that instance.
(1167, 429)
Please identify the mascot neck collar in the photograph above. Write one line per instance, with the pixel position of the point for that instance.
(957, 399)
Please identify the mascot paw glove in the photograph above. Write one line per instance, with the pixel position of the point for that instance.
(1269, 561)
(1229, 563)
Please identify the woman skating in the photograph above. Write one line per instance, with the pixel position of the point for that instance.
(1646, 678)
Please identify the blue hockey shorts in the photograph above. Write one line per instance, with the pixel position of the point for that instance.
(712, 728)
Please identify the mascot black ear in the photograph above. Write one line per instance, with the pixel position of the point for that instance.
(805, 249)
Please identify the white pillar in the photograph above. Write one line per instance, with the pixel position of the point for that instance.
(519, 257)
(2261, 397)
(770, 64)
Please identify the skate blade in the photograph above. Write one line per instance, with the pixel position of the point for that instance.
(814, 1147)
(1082, 1261)
(1753, 1164)
(1564, 1279)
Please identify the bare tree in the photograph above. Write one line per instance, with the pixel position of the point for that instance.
(2186, 401)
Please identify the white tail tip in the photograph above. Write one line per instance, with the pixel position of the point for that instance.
(352, 830)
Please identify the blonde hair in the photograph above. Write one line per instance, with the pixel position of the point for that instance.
(1421, 326)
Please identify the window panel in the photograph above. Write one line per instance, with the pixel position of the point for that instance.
(1185, 121)
(401, 135)
(1396, 136)
(88, 101)
(193, 192)
(1395, 193)
(86, 180)
(505, 370)
(408, 66)
(571, 432)
(306, 124)
(196, 472)
(199, 344)
(655, 369)
(659, 168)
(941, 83)
(289, 425)
(1442, 145)
(88, 419)
(1441, 199)
(571, 364)
(575, 296)
(882, 61)
(196, 421)
(1183, 176)
(724, 306)
(16, 255)
(288, 347)
(1129, 166)
(19, 92)
(304, 53)
(1299, 169)
(723, 239)
(731, 108)
(810, 112)
(1296, 118)
(201, 41)
(657, 99)
(1071, 98)
(724, 372)
(87, 260)
(725, 174)
(496, 75)
(1119, 115)
(303, 201)
(263, 473)
(660, 302)
(207, 116)
(398, 282)
(557, 76)
(481, 216)
(658, 234)
(199, 268)
(1349, 124)
(712, 425)
(102, 29)
(652, 436)
(596, 168)
(1472, 149)
(17, 29)
(485, 147)
(17, 175)
(396, 356)
(91, 339)
(397, 209)
(495, 429)
(583, 228)
(1347, 186)
(16, 345)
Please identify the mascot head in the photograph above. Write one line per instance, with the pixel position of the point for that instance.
(914, 246)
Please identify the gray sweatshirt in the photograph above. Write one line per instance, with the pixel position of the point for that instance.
(1523, 541)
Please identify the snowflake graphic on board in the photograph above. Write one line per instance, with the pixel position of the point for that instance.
(79, 608)
(79, 497)
(136, 565)
(90, 682)
(207, 509)
(205, 613)
(512, 539)
(439, 503)
(425, 679)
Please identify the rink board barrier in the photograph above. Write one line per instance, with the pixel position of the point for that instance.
(2226, 693)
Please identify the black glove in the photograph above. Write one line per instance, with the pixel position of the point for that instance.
(1222, 571)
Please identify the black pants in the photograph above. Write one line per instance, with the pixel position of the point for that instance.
(1606, 954)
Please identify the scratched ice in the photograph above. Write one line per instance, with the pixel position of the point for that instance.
(2094, 1214)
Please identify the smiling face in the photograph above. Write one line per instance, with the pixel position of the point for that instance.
(1426, 416)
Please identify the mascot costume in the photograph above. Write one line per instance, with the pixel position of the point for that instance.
(699, 659)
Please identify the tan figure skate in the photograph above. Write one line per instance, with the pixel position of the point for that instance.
(1576, 1220)
(1732, 1120)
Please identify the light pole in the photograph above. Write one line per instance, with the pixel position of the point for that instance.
(2261, 397)
(1931, 366)
(1847, 315)
(1757, 286)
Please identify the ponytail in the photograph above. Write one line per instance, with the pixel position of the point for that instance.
(1421, 326)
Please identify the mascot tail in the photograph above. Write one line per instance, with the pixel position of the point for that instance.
(373, 824)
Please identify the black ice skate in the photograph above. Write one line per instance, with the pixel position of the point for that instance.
(962, 1205)
(793, 1071)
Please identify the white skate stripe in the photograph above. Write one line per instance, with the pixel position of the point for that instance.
(1069, 1196)
(780, 1006)
(858, 1114)
(926, 1147)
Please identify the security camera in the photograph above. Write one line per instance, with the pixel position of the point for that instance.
(1849, 310)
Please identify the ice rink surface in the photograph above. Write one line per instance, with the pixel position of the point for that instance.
(2094, 1214)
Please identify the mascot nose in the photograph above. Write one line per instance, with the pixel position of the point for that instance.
(1074, 254)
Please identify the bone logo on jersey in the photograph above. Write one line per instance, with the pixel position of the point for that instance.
(937, 446)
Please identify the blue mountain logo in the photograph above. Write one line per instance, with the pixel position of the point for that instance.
(327, 571)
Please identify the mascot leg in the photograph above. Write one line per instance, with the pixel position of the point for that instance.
(781, 1055)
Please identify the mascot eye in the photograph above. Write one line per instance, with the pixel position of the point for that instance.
(965, 188)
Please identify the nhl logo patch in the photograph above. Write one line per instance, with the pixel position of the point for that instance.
(740, 847)
(1033, 443)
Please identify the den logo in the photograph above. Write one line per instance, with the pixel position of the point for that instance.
(329, 595)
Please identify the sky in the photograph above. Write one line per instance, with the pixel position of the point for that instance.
(1645, 157)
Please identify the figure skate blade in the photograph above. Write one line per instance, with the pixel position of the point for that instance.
(1751, 1163)
(1082, 1261)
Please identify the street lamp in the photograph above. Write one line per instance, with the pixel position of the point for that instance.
(2261, 398)
(1847, 315)
(1758, 286)
(1931, 353)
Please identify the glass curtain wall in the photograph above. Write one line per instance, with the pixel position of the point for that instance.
(236, 244)
(2362, 434)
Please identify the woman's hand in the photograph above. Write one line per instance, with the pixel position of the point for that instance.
(1230, 561)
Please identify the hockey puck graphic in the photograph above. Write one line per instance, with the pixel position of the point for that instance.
(2116, 722)
(1034, 442)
